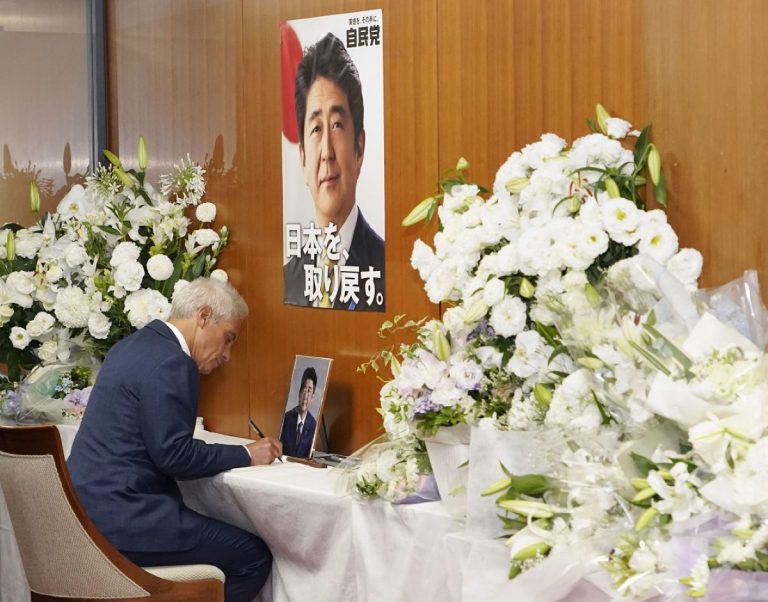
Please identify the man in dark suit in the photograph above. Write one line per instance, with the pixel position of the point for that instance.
(298, 430)
(329, 116)
(135, 440)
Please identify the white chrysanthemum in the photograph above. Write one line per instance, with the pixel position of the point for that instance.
(28, 243)
(146, 305)
(509, 316)
(40, 325)
(160, 267)
(71, 307)
(19, 337)
(99, 325)
(220, 275)
(129, 275)
(124, 252)
(205, 212)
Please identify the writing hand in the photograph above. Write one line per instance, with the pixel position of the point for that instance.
(265, 451)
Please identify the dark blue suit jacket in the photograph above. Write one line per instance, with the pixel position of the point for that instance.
(135, 440)
(288, 434)
(366, 250)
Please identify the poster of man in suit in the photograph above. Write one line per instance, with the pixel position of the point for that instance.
(333, 161)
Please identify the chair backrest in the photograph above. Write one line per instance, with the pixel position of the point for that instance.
(63, 552)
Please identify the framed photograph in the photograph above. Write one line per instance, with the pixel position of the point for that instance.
(304, 407)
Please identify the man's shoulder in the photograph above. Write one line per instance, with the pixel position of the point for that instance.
(293, 280)
(367, 244)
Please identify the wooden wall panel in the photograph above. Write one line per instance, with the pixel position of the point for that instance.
(478, 80)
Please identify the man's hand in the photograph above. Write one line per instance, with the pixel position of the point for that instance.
(265, 451)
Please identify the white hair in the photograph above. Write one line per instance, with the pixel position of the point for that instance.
(225, 302)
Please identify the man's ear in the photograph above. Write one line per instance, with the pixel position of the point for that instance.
(302, 156)
(360, 151)
(204, 315)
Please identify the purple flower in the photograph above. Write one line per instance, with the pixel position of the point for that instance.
(79, 397)
(424, 405)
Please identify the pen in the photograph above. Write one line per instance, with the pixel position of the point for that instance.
(258, 431)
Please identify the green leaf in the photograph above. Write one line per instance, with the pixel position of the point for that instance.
(660, 191)
(642, 144)
(642, 464)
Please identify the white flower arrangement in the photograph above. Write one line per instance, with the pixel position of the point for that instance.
(105, 263)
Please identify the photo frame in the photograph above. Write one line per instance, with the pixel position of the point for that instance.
(304, 406)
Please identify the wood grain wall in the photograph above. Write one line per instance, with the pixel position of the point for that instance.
(477, 79)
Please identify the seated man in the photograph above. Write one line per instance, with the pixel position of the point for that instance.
(298, 431)
(135, 440)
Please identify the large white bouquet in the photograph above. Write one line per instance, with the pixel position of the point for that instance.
(105, 263)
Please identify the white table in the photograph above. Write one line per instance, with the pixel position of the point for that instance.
(328, 545)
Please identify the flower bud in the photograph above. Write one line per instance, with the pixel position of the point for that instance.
(10, 246)
(639, 483)
(462, 164)
(590, 363)
(526, 288)
(441, 345)
(34, 196)
(533, 550)
(602, 117)
(654, 164)
(574, 204)
(644, 494)
(143, 157)
(528, 508)
(516, 185)
(611, 187)
(476, 311)
(498, 486)
(593, 297)
(419, 212)
(113, 158)
(542, 394)
(124, 177)
(645, 519)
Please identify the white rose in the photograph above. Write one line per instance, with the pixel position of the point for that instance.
(146, 305)
(41, 324)
(617, 128)
(19, 337)
(220, 275)
(160, 267)
(20, 287)
(74, 255)
(509, 316)
(71, 307)
(99, 325)
(47, 351)
(129, 275)
(493, 292)
(124, 252)
(686, 265)
(205, 212)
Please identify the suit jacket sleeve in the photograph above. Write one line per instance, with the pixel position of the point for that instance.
(168, 407)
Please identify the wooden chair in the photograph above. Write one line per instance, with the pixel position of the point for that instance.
(64, 555)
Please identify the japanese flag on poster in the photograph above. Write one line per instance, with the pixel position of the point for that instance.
(333, 161)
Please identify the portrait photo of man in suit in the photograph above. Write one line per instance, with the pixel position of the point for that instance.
(332, 138)
(135, 440)
(299, 425)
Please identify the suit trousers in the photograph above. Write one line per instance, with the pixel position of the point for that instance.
(243, 557)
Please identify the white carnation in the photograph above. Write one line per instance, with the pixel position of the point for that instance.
(205, 212)
(28, 243)
(71, 307)
(220, 275)
(124, 252)
(129, 275)
(74, 255)
(160, 267)
(99, 325)
(146, 305)
(19, 337)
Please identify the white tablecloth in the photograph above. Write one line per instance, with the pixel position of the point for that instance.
(329, 546)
